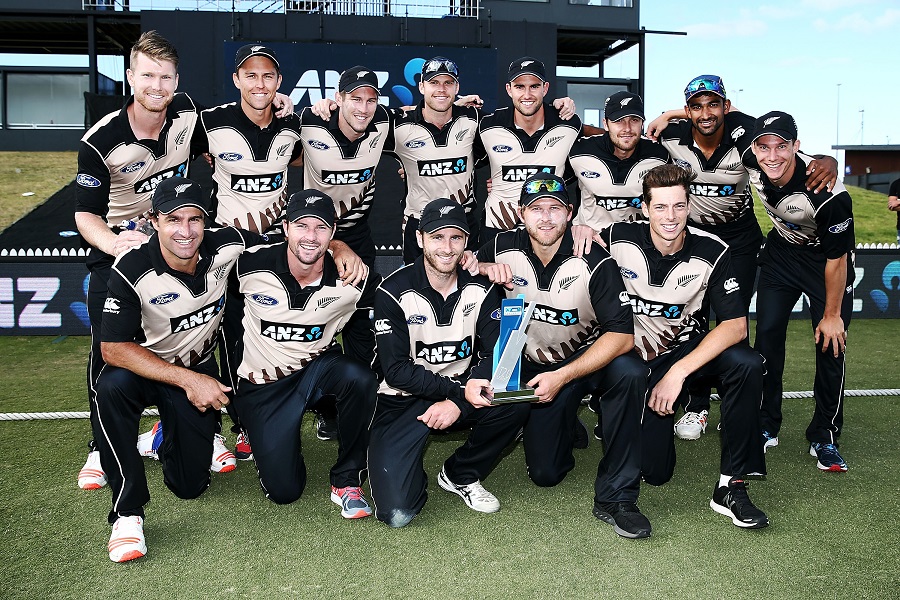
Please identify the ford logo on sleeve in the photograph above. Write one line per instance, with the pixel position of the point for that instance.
(519, 281)
(416, 320)
(132, 167)
(627, 273)
(263, 300)
(496, 315)
(164, 298)
(230, 156)
(318, 145)
(590, 174)
(414, 144)
(87, 181)
(501, 148)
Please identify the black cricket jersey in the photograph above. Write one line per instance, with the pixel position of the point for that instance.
(822, 221)
(251, 165)
(576, 299)
(428, 345)
(174, 315)
(721, 193)
(514, 156)
(285, 326)
(611, 187)
(343, 169)
(438, 162)
(669, 295)
(117, 172)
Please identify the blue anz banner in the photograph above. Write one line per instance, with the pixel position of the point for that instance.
(310, 72)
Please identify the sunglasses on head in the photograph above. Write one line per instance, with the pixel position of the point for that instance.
(440, 64)
(546, 185)
(705, 84)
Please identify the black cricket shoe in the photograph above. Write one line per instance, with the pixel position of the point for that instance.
(625, 517)
(734, 502)
(326, 427)
(582, 439)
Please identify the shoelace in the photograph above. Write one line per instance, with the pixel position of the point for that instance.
(738, 490)
(692, 419)
(477, 491)
(350, 493)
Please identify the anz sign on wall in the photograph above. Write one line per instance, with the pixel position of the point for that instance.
(310, 72)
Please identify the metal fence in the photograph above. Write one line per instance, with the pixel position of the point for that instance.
(435, 9)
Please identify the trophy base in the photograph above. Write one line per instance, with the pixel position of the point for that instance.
(525, 394)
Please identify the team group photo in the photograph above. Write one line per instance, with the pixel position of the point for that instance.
(582, 342)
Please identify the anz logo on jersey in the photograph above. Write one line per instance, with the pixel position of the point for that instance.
(347, 177)
(555, 316)
(149, 184)
(706, 189)
(198, 318)
(257, 184)
(618, 203)
(444, 352)
(437, 168)
(652, 308)
(291, 332)
(523, 172)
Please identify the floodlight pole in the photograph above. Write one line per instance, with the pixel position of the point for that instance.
(837, 125)
(862, 114)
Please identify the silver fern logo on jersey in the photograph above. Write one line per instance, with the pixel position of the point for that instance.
(686, 279)
(565, 282)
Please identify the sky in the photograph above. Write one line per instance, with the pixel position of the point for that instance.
(788, 56)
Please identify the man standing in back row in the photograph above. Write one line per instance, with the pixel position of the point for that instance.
(528, 138)
(808, 251)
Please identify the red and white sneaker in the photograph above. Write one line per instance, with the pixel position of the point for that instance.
(91, 476)
(127, 539)
(223, 461)
(353, 504)
(242, 449)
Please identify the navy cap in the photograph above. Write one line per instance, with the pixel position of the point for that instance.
(776, 123)
(310, 203)
(543, 185)
(178, 192)
(441, 213)
(623, 104)
(357, 77)
(246, 52)
(526, 66)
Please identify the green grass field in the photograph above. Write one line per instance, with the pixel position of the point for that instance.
(832, 536)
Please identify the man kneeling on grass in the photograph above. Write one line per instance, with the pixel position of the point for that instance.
(672, 274)
(160, 325)
(436, 326)
(292, 307)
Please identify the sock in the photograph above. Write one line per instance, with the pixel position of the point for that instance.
(723, 480)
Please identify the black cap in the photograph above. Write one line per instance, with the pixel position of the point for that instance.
(439, 66)
(543, 185)
(623, 104)
(442, 213)
(178, 192)
(250, 50)
(310, 203)
(776, 123)
(357, 77)
(526, 66)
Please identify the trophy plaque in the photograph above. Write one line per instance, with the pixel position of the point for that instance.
(514, 318)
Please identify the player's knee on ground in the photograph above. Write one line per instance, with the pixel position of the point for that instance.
(397, 517)
(189, 489)
(545, 476)
(283, 493)
(657, 476)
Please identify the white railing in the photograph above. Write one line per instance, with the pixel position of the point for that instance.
(434, 9)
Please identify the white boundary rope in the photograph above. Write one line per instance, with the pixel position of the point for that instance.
(152, 412)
